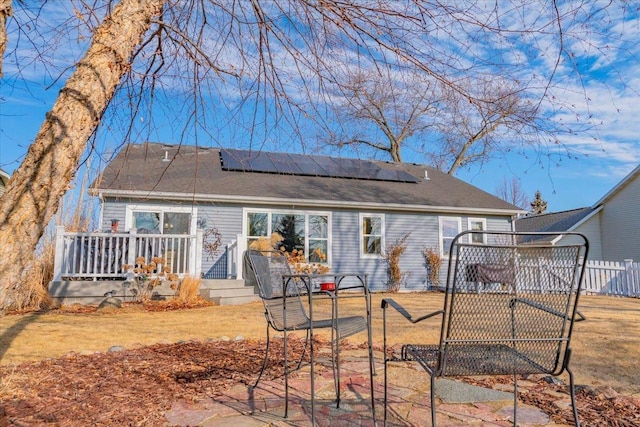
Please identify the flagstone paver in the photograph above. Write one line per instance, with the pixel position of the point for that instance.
(242, 406)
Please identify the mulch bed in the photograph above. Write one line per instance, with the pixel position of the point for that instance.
(137, 386)
(130, 387)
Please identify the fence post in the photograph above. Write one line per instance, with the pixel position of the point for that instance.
(630, 284)
(59, 254)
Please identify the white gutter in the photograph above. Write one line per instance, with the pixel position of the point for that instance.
(302, 202)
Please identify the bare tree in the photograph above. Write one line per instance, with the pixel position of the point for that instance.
(512, 192)
(5, 12)
(439, 123)
(35, 189)
(266, 67)
(497, 119)
(382, 113)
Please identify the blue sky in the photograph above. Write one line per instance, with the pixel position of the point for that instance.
(607, 94)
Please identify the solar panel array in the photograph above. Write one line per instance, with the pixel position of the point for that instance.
(306, 165)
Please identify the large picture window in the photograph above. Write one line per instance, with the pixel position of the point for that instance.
(371, 235)
(303, 231)
(449, 228)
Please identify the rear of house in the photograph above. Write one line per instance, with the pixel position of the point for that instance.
(349, 210)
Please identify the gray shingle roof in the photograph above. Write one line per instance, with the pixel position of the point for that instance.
(555, 221)
(196, 173)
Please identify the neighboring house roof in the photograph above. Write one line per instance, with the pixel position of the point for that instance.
(555, 221)
(4, 179)
(570, 219)
(181, 172)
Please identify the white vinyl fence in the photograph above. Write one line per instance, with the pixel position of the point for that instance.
(612, 278)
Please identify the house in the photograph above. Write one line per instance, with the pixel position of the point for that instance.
(4, 179)
(610, 224)
(347, 210)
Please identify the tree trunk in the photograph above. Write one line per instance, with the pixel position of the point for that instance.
(5, 12)
(35, 189)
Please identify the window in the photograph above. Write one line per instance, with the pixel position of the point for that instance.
(477, 224)
(449, 229)
(307, 232)
(371, 235)
(161, 220)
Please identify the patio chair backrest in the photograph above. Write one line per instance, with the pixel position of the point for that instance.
(266, 270)
(510, 303)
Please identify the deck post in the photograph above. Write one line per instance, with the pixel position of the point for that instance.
(195, 267)
(132, 247)
(59, 254)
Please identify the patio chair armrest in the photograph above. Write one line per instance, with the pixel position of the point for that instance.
(544, 308)
(400, 309)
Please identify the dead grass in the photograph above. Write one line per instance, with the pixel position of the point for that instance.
(34, 292)
(606, 346)
(189, 289)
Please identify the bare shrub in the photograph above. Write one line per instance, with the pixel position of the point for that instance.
(392, 256)
(189, 289)
(434, 262)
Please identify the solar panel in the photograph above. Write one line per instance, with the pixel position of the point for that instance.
(285, 164)
(306, 165)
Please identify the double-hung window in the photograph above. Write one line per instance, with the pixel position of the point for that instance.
(449, 228)
(477, 224)
(371, 235)
(303, 231)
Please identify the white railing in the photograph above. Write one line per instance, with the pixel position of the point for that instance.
(612, 278)
(94, 256)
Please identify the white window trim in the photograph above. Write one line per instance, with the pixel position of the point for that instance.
(361, 252)
(484, 228)
(443, 253)
(306, 213)
(128, 220)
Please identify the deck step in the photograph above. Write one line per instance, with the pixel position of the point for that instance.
(228, 291)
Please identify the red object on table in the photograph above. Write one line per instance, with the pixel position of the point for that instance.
(328, 286)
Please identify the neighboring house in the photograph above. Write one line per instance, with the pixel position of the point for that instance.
(4, 179)
(611, 224)
(348, 209)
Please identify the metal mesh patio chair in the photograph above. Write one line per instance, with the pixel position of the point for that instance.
(509, 308)
(287, 299)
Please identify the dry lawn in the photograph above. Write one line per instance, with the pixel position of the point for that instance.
(606, 347)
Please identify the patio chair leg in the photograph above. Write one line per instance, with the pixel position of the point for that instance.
(572, 392)
(515, 399)
(433, 400)
(304, 351)
(385, 360)
(264, 362)
(335, 365)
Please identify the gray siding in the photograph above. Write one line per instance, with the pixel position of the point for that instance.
(424, 229)
(113, 210)
(228, 221)
(591, 230)
(345, 235)
(620, 217)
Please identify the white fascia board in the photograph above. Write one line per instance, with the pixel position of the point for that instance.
(305, 202)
